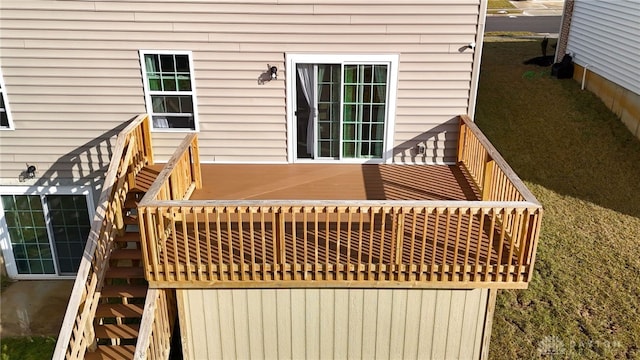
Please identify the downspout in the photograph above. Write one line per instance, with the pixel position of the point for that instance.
(477, 56)
(584, 76)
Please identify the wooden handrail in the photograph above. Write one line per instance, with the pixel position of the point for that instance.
(132, 151)
(156, 326)
(228, 244)
(469, 131)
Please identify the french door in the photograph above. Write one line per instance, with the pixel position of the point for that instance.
(341, 110)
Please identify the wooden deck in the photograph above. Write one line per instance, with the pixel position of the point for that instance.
(334, 182)
(473, 224)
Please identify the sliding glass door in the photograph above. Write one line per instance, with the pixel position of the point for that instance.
(341, 110)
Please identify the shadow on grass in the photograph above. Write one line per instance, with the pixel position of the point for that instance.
(555, 135)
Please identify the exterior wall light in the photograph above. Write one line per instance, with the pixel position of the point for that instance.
(274, 72)
(30, 173)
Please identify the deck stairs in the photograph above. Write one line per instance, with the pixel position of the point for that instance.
(118, 315)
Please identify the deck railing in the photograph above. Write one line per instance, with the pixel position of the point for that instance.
(131, 153)
(156, 327)
(465, 244)
(178, 179)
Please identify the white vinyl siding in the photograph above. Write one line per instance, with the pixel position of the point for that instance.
(6, 121)
(72, 70)
(604, 36)
(332, 323)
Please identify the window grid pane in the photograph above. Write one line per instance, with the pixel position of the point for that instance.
(364, 105)
(328, 111)
(28, 234)
(170, 87)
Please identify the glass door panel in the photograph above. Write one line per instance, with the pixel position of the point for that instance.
(27, 228)
(70, 225)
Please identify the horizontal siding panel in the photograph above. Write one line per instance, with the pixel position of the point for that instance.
(107, 26)
(431, 103)
(134, 91)
(165, 36)
(59, 14)
(47, 5)
(65, 73)
(207, 7)
(393, 11)
(445, 85)
(268, 29)
(84, 108)
(435, 75)
(244, 18)
(77, 100)
(74, 82)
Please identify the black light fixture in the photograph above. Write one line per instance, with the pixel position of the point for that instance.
(31, 172)
(274, 72)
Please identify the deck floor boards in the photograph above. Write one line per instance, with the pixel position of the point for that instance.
(334, 182)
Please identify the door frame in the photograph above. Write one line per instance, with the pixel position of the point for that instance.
(5, 242)
(291, 80)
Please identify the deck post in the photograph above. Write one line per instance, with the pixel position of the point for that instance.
(462, 133)
(487, 179)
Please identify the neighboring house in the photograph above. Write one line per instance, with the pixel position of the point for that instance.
(602, 37)
(306, 183)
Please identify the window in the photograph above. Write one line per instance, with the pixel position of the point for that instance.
(343, 107)
(5, 114)
(46, 234)
(169, 89)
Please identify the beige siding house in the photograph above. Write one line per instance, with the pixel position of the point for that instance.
(375, 86)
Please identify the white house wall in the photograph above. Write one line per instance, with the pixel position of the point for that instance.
(605, 37)
(332, 323)
(73, 76)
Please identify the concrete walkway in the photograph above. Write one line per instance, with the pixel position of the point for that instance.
(34, 307)
(539, 7)
(532, 8)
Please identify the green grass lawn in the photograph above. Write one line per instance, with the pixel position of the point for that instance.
(27, 348)
(584, 167)
(499, 4)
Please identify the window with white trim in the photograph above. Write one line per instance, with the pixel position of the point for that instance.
(5, 114)
(169, 89)
(44, 234)
(342, 106)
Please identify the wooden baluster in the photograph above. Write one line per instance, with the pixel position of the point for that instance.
(487, 179)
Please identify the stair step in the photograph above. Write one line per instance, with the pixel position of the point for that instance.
(128, 237)
(119, 310)
(111, 352)
(126, 291)
(123, 272)
(114, 331)
(130, 220)
(126, 254)
(133, 199)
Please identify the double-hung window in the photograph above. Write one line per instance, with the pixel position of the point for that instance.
(169, 89)
(5, 114)
(343, 107)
